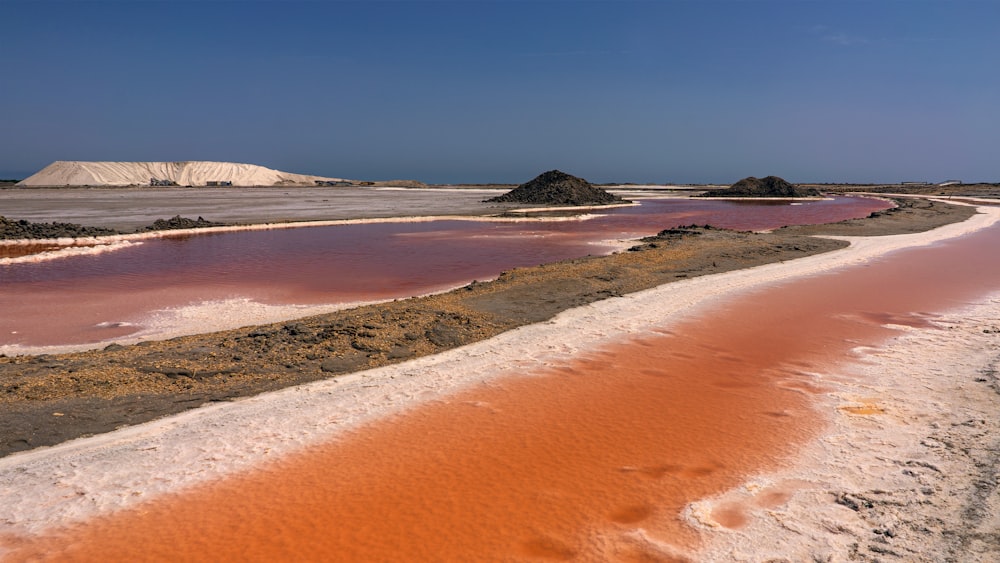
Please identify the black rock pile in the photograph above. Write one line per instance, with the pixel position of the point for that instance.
(557, 188)
(772, 186)
(11, 229)
(178, 222)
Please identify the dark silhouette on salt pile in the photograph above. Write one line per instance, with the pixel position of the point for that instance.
(557, 188)
(772, 186)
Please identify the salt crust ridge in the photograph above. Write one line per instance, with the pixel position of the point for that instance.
(77, 480)
(183, 173)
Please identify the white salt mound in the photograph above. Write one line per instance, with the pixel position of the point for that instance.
(187, 173)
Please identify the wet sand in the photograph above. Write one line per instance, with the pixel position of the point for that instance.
(629, 314)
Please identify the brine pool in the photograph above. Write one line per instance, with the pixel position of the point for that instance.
(101, 297)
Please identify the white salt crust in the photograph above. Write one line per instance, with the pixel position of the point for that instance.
(183, 173)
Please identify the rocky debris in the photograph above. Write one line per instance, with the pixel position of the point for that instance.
(557, 188)
(14, 229)
(178, 222)
(771, 186)
(399, 184)
(11, 229)
(668, 235)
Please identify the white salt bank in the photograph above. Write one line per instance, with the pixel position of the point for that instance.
(185, 173)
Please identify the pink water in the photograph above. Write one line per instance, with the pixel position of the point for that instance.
(567, 464)
(100, 297)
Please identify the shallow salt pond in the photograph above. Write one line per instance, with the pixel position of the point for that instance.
(591, 459)
(107, 296)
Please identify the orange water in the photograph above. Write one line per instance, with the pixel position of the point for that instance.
(572, 461)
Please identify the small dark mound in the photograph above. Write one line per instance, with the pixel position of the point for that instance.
(11, 229)
(772, 186)
(178, 222)
(557, 188)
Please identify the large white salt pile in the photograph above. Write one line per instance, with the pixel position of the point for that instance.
(187, 173)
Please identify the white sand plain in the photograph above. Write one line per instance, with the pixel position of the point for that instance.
(49, 487)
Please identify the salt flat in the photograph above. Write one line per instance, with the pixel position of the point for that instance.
(77, 480)
(130, 208)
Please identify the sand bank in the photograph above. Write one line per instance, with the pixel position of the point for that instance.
(86, 477)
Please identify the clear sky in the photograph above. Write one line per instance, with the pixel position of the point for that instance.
(480, 91)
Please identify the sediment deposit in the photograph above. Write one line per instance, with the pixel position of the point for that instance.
(557, 188)
(771, 186)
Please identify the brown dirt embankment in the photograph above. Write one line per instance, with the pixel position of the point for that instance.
(911, 215)
(45, 400)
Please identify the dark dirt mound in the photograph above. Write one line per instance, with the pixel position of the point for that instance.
(178, 222)
(11, 229)
(772, 186)
(557, 188)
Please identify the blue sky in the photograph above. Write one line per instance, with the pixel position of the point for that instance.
(480, 91)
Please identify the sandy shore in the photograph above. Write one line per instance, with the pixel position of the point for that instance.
(90, 476)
